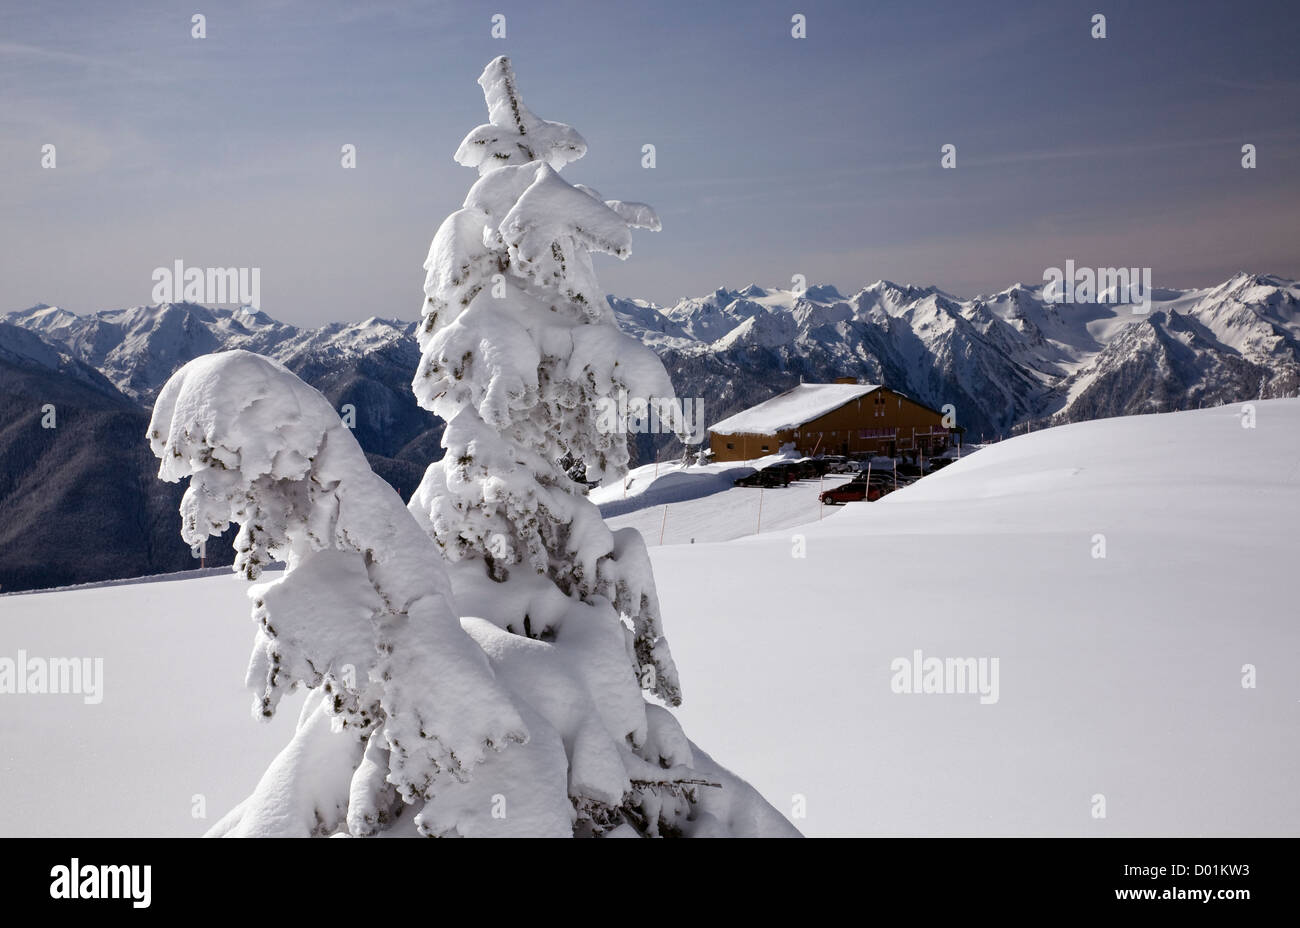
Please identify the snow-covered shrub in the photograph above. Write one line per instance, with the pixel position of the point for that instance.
(362, 609)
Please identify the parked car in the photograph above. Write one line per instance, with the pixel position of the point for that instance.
(852, 492)
(771, 476)
(749, 480)
(784, 471)
(806, 469)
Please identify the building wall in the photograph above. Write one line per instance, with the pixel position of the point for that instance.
(841, 431)
(746, 447)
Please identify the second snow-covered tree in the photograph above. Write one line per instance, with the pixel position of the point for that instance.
(520, 355)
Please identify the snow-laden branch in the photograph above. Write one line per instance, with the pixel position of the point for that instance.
(513, 135)
(362, 609)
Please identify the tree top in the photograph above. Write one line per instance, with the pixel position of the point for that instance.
(513, 135)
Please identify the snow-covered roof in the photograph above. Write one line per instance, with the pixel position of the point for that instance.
(792, 408)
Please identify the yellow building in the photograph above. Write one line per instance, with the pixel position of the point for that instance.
(832, 418)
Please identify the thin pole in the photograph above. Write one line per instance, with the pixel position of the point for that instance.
(663, 525)
(759, 528)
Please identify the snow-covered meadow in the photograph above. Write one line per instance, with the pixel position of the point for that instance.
(1120, 676)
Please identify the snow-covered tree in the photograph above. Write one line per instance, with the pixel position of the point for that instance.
(415, 723)
(520, 352)
(477, 662)
(361, 614)
(519, 349)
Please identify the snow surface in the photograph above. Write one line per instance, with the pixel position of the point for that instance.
(174, 723)
(792, 408)
(667, 482)
(675, 505)
(1119, 676)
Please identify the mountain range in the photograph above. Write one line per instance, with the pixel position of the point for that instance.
(78, 496)
(1004, 362)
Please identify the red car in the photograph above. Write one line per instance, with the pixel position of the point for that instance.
(852, 492)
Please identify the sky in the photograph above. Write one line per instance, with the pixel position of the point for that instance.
(774, 155)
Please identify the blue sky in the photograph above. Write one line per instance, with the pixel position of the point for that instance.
(775, 156)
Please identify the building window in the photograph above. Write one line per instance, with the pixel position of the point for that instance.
(764, 448)
(731, 446)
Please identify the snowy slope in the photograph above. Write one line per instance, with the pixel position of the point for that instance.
(175, 719)
(1119, 676)
(675, 505)
(733, 512)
